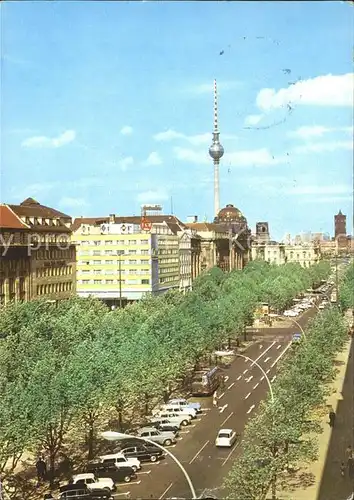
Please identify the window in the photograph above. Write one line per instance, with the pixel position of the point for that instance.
(109, 242)
(145, 282)
(132, 262)
(96, 252)
(97, 282)
(132, 242)
(85, 271)
(145, 252)
(144, 242)
(109, 282)
(132, 252)
(145, 261)
(97, 271)
(97, 262)
(109, 262)
(108, 252)
(96, 243)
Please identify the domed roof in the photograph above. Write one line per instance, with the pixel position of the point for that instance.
(230, 214)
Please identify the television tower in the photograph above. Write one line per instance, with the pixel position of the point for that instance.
(216, 151)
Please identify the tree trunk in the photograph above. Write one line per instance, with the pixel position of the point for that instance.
(229, 343)
(90, 439)
(120, 415)
(146, 405)
(245, 334)
(274, 488)
(52, 456)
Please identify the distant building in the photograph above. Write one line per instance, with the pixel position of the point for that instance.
(262, 232)
(340, 225)
(305, 254)
(40, 253)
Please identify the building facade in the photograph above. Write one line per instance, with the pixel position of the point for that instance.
(119, 262)
(52, 255)
(37, 259)
(15, 270)
(305, 254)
(340, 225)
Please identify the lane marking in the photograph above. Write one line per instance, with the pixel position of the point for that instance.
(145, 472)
(198, 452)
(226, 419)
(250, 378)
(125, 494)
(222, 408)
(166, 490)
(279, 346)
(238, 378)
(245, 370)
(252, 407)
(262, 377)
(268, 370)
(266, 360)
(226, 378)
(184, 432)
(229, 455)
(248, 395)
(255, 387)
(231, 385)
(129, 484)
(204, 409)
(273, 378)
(281, 354)
(223, 394)
(246, 360)
(261, 346)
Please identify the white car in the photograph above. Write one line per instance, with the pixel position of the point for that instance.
(175, 418)
(225, 438)
(93, 482)
(290, 313)
(175, 408)
(120, 460)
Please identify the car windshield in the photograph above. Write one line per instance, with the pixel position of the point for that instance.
(224, 435)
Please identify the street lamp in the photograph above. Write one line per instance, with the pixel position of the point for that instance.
(264, 373)
(115, 436)
(120, 253)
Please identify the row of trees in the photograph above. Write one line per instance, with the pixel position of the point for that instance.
(346, 291)
(280, 436)
(76, 365)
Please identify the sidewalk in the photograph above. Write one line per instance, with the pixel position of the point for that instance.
(321, 480)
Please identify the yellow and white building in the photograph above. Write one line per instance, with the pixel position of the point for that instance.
(116, 259)
(306, 254)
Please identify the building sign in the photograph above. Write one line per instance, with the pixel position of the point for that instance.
(145, 224)
(117, 228)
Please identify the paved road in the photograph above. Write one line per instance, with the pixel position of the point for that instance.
(207, 466)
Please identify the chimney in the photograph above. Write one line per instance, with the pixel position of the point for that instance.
(192, 219)
(112, 218)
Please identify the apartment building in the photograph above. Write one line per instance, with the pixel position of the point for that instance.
(118, 261)
(40, 259)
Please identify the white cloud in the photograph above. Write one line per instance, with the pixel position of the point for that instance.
(50, 142)
(72, 202)
(208, 87)
(126, 162)
(318, 190)
(168, 135)
(307, 132)
(152, 196)
(126, 130)
(153, 160)
(324, 147)
(310, 131)
(326, 90)
(257, 157)
(253, 119)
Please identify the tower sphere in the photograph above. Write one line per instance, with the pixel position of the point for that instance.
(216, 151)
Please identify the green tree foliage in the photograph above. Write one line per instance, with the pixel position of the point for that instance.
(346, 295)
(278, 436)
(71, 363)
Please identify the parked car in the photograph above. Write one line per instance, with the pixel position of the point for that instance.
(144, 452)
(117, 474)
(164, 424)
(162, 438)
(80, 491)
(184, 403)
(178, 418)
(225, 438)
(119, 460)
(93, 481)
(178, 409)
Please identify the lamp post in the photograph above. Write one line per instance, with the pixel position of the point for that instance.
(291, 319)
(120, 253)
(115, 436)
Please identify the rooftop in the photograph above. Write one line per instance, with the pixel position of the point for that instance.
(9, 220)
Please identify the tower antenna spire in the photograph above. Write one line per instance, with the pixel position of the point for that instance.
(216, 151)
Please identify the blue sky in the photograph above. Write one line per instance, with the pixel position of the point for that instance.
(109, 105)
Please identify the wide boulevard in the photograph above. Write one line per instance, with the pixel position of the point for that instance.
(206, 465)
